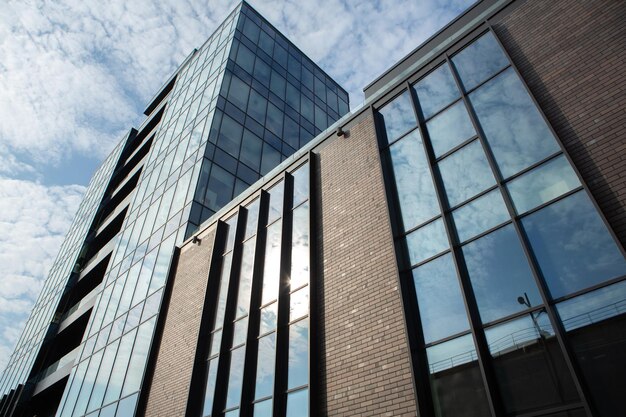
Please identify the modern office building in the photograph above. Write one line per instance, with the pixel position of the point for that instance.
(452, 247)
(238, 106)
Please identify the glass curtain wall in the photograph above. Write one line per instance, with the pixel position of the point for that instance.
(258, 356)
(516, 279)
(108, 375)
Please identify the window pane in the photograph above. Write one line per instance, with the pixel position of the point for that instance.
(276, 201)
(210, 387)
(517, 134)
(481, 59)
(416, 192)
(240, 331)
(450, 128)
(572, 245)
(126, 407)
(439, 299)
(271, 271)
(436, 90)
(500, 274)
(466, 173)
(398, 116)
(138, 359)
(103, 377)
(220, 188)
(542, 184)
(263, 409)
(230, 136)
(251, 150)
(300, 247)
(456, 382)
(114, 387)
(257, 106)
(480, 215)
(245, 278)
(235, 377)
(268, 318)
(238, 93)
(298, 373)
(529, 365)
(427, 241)
(299, 301)
(596, 326)
(271, 158)
(298, 403)
(300, 184)
(265, 367)
(224, 281)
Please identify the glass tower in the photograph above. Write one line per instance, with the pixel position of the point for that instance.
(237, 107)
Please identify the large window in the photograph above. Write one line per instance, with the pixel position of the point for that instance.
(516, 279)
(258, 352)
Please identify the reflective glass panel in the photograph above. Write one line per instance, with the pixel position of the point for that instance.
(298, 403)
(235, 378)
(263, 409)
(500, 274)
(268, 318)
(572, 245)
(216, 341)
(114, 387)
(240, 331)
(210, 387)
(271, 271)
(100, 384)
(398, 116)
(439, 299)
(245, 277)
(544, 183)
(298, 373)
(223, 292)
(299, 301)
(481, 59)
(276, 201)
(480, 215)
(414, 183)
(450, 128)
(436, 90)
(264, 386)
(596, 326)
(300, 247)
(456, 382)
(252, 218)
(300, 184)
(134, 375)
(427, 241)
(126, 407)
(515, 130)
(465, 173)
(529, 365)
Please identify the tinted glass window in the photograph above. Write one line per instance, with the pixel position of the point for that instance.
(298, 373)
(427, 241)
(398, 116)
(572, 245)
(251, 147)
(230, 136)
(480, 215)
(450, 128)
(514, 128)
(264, 386)
(479, 61)
(220, 189)
(298, 403)
(436, 90)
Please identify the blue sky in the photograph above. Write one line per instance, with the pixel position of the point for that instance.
(75, 75)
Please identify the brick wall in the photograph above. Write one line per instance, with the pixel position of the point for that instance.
(365, 367)
(172, 374)
(572, 54)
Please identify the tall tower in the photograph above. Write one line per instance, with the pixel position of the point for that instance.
(236, 108)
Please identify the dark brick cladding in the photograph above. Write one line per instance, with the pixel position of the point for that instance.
(173, 367)
(572, 54)
(364, 357)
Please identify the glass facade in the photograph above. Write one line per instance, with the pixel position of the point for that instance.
(258, 348)
(239, 105)
(512, 270)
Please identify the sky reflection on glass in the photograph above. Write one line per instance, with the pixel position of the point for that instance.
(518, 333)
(265, 367)
(593, 307)
(416, 192)
(544, 183)
(439, 299)
(450, 128)
(235, 377)
(427, 241)
(436, 90)
(298, 373)
(398, 116)
(499, 274)
(465, 173)
(514, 128)
(300, 247)
(452, 353)
(298, 403)
(479, 60)
(480, 215)
(572, 245)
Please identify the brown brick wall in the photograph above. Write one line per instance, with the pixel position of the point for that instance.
(365, 366)
(572, 54)
(170, 385)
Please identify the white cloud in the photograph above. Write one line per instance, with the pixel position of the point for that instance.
(33, 223)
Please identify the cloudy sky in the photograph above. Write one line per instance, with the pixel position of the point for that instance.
(75, 75)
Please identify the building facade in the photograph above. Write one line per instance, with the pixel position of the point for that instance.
(453, 247)
(237, 107)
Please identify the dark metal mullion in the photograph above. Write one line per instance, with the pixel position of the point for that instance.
(463, 144)
(314, 355)
(590, 289)
(413, 331)
(538, 277)
(251, 356)
(223, 367)
(550, 202)
(471, 309)
(282, 326)
(559, 142)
